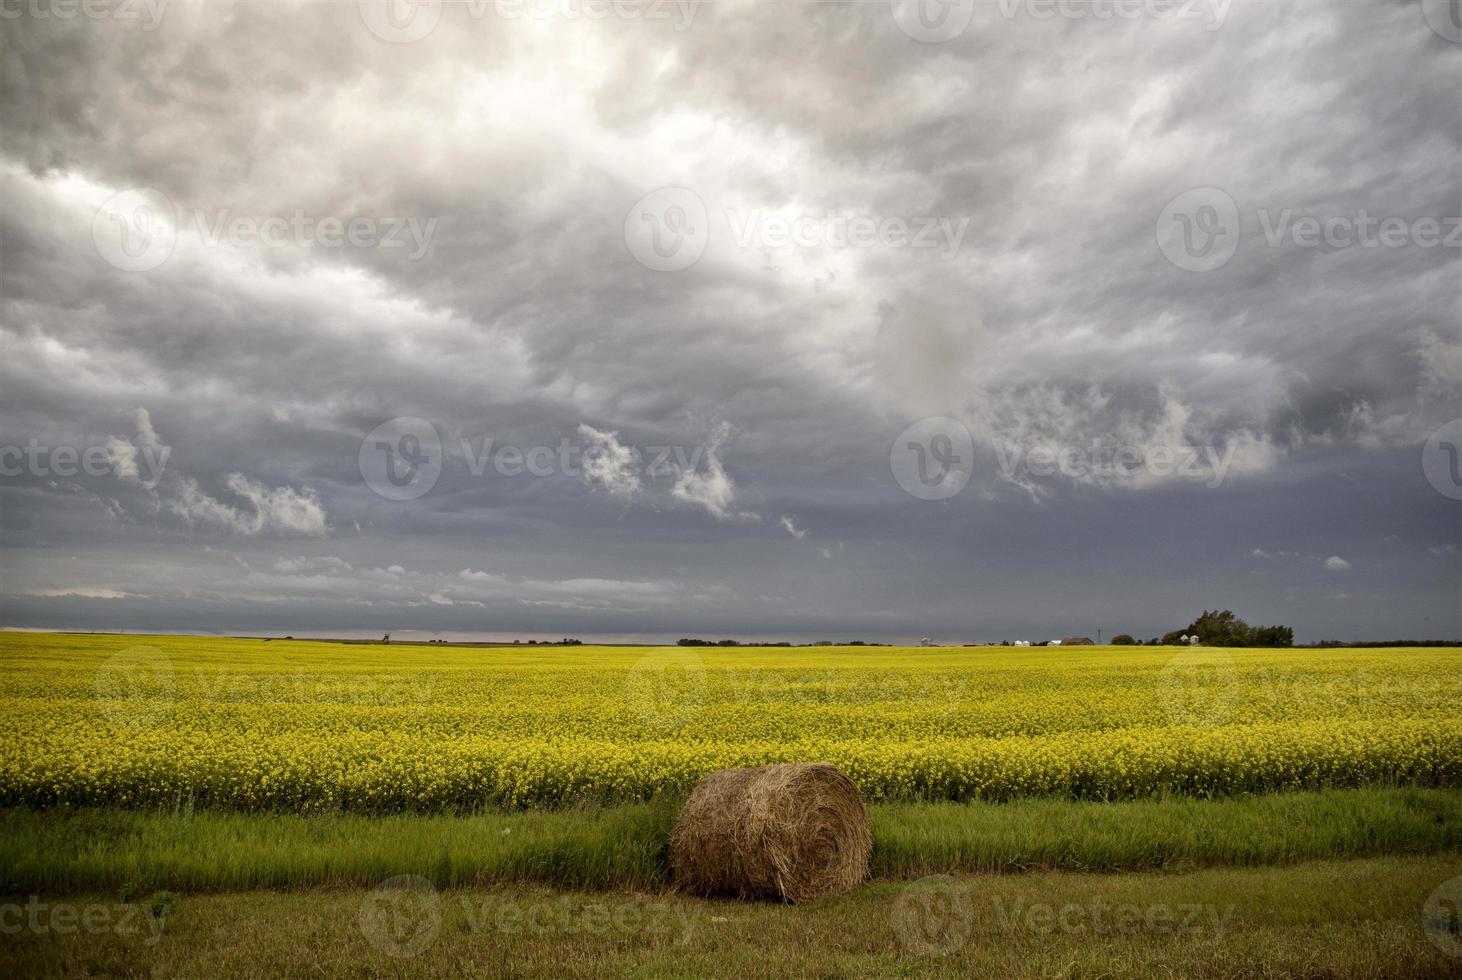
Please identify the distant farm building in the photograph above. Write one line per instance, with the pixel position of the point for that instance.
(1077, 641)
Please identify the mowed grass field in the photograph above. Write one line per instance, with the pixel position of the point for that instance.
(304, 727)
(186, 806)
(1352, 919)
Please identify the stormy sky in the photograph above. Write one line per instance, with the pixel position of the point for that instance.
(763, 320)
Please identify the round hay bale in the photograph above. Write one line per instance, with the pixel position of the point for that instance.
(793, 832)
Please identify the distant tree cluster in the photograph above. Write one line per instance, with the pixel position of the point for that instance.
(1389, 643)
(1224, 629)
(689, 641)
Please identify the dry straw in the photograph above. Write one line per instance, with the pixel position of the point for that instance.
(791, 832)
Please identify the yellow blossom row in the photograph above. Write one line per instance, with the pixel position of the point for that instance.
(244, 724)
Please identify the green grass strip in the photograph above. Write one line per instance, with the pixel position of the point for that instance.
(623, 846)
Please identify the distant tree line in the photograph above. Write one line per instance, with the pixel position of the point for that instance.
(1218, 629)
(688, 641)
(1387, 643)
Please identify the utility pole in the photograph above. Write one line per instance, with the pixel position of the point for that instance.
(1099, 637)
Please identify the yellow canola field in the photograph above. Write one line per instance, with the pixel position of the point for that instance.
(306, 726)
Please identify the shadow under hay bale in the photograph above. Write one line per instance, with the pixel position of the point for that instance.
(792, 832)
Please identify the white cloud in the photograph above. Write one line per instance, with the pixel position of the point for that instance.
(1102, 436)
(295, 566)
(713, 489)
(284, 510)
(792, 528)
(610, 464)
(302, 578)
(129, 457)
(1336, 564)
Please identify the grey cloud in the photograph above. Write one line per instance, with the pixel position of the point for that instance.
(1057, 323)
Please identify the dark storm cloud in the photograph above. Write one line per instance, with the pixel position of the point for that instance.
(1043, 151)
